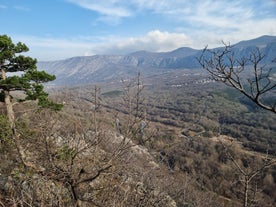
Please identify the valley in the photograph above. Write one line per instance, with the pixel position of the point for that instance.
(143, 129)
(192, 125)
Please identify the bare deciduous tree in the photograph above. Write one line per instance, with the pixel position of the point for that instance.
(225, 67)
(248, 174)
(134, 103)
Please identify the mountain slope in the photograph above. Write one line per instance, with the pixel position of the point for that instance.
(258, 42)
(99, 68)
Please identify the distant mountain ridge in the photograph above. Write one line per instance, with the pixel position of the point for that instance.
(258, 42)
(100, 68)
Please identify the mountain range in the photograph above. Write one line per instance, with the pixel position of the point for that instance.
(100, 68)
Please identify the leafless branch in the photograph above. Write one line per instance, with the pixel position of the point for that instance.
(224, 67)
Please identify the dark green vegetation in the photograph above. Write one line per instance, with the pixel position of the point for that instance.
(19, 73)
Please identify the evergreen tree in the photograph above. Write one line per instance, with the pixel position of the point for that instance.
(22, 76)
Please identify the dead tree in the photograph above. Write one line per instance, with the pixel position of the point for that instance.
(248, 175)
(225, 67)
(134, 103)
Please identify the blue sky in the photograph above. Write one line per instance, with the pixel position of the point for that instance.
(58, 29)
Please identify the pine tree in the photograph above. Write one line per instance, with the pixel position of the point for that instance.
(19, 73)
(22, 76)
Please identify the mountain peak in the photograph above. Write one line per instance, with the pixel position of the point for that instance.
(141, 53)
(257, 42)
(182, 52)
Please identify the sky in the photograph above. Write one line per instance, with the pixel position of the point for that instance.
(59, 29)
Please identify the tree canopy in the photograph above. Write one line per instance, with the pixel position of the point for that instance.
(19, 73)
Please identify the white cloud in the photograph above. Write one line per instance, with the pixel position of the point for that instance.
(246, 31)
(213, 21)
(155, 41)
(252, 29)
(197, 23)
(106, 8)
(210, 14)
(47, 48)
(110, 11)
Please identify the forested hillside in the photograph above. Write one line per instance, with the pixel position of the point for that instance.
(172, 138)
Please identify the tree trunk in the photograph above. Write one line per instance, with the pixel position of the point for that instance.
(245, 199)
(11, 118)
(8, 103)
(10, 112)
